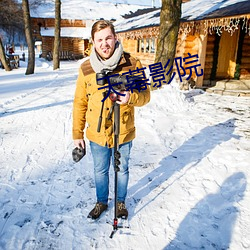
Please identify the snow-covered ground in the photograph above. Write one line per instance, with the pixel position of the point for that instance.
(189, 170)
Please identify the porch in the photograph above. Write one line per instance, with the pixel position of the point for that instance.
(231, 87)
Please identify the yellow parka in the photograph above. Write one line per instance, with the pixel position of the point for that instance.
(88, 101)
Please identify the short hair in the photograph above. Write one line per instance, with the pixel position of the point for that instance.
(100, 25)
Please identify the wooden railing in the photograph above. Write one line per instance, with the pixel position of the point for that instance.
(64, 55)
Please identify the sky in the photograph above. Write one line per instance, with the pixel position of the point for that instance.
(189, 169)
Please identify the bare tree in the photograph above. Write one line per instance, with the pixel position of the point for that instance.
(3, 57)
(56, 59)
(28, 33)
(11, 24)
(168, 34)
(11, 16)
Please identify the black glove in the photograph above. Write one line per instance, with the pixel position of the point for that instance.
(78, 153)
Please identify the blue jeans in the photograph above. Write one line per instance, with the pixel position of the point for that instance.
(102, 158)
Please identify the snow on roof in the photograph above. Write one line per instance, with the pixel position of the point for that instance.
(145, 20)
(138, 2)
(192, 10)
(197, 9)
(85, 10)
(80, 32)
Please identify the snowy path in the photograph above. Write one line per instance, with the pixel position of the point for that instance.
(189, 170)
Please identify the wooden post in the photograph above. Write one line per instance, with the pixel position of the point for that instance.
(202, 47)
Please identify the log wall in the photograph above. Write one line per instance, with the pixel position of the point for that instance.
(73, 45)
(190, 47)
(50, 22)
(245, 60)
(209, 56)
(185, 45)
(131, 46)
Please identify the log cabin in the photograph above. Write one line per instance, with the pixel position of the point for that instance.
(217, 31)
(74, 37)
(77, 17)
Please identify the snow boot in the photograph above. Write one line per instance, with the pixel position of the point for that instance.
(97, 210)
(122, 211)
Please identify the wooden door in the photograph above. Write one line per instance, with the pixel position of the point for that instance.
(227, 55)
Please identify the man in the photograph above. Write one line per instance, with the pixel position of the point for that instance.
(107, 54)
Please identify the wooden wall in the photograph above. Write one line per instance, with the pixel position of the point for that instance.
(209, 56)
(47, 45)
(131, 46)
(218, 51)
(76, 46)
(38, 23)
(245, 60)
(217, 54)
(50, 22)
(185, 45)
(73, 45)
(190, 46)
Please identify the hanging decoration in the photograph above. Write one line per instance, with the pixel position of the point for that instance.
(219, 25)
(149, 32)
(246, 25)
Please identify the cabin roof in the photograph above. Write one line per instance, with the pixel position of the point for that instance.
(85, 10)
(193, 10)
(207, 9)
(77, 32)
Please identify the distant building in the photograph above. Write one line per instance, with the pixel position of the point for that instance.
(77, 19)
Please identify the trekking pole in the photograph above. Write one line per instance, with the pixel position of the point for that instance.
(117, 156)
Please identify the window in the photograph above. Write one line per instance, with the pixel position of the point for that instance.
(152, 45)
(146, 45)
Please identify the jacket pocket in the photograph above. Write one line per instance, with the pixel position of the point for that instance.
(127, 120)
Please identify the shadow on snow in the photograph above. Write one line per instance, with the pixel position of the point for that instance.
(190, 153)
(210, 223)
(23, 110)
(187, 156)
